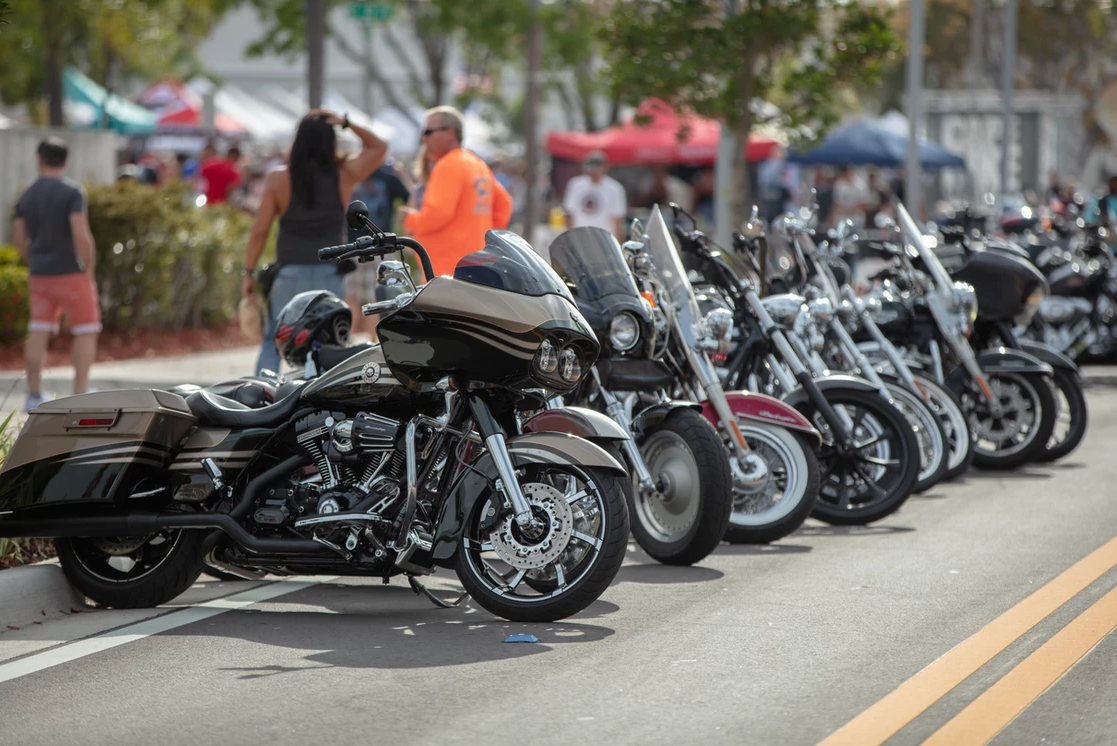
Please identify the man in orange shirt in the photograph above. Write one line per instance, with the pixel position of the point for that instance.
(462, 199)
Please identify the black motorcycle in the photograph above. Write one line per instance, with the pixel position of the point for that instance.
(401, 458)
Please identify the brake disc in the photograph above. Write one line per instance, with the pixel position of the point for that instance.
(524, 553)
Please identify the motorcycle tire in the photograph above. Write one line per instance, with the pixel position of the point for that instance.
(1069, 389)
(590, 574)
(88, 565)
(893, 431)
(682, 524)
(793, 470)
(1036, 388)
(948, 408)
(933, 444)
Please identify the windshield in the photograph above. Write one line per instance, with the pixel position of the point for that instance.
(509, 263)
(591, 263)
(941, 279)
(671, 274)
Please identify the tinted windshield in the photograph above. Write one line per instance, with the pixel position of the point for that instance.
(509, 263)
(672, 275)
(591, 262)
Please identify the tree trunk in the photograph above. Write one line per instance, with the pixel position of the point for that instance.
(54, 87)
(741, 204)
(315, 50)
(531, 120)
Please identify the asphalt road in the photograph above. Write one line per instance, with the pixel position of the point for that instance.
(784, 644)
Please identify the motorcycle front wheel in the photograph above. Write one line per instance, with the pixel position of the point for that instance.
(928, 431)
(873, 478)
(780, 506)
(948, 408)
(1070, 422)
(1019, 433)
(558, 567)
(685, 516)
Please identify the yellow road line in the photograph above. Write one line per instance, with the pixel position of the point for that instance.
(880, 722)
(987, 715)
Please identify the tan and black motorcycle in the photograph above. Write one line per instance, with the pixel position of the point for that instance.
(404, 457)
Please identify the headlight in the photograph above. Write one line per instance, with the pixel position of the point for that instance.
(822, 309)
(624, 332)
(965, 300)
(570, 366)
(546, 357)
(719, 322)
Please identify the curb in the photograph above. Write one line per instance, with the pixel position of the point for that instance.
(35, 593)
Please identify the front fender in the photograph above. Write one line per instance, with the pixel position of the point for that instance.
(1047, 354)
(533, 448)
(657, 413)
(579, 421)
(1006, 360)
(764, 409)
(798, 395)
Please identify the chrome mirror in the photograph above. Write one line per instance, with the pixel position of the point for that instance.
(754, 226)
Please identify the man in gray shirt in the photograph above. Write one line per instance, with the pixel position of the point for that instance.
(53, 237)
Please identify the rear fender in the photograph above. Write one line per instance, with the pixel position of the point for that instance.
(578, 421)
(533, 448)
(766, 410)
(798, 395)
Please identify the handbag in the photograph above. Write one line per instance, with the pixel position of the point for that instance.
(266, 277)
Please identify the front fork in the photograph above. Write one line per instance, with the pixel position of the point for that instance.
(615, 408)
(493, 436)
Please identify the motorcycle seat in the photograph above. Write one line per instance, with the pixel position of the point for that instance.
(219, 411)
(329, 356)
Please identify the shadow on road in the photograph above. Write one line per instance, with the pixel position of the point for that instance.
(852, 530)
(1025, 472)
(769, 550)
(657, 574)
(367, 626)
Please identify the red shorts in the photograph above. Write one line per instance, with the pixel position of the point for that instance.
(73, 295)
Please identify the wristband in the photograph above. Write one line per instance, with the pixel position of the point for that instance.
(345, 122)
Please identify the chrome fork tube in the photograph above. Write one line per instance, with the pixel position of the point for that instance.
(505, 469)
(617, 410)
(851, 351)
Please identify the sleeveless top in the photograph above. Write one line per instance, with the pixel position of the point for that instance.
(303, 230)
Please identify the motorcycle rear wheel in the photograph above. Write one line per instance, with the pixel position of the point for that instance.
(133, 572)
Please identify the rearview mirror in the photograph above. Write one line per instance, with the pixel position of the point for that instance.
(356, 214)
(753, 227)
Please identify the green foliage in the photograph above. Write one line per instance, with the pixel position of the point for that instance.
(5, 9)
(13, 302)
(160, 261)
(104, 38)
(9, 255)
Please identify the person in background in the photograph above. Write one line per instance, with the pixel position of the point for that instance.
(308, 198)
(662, 188)
(879, 200)
(222, 175)
(462, 200)
(421, 171)
(596, 199)
(1103, 208)
(52, 234)
(379, 192)
(849, 201)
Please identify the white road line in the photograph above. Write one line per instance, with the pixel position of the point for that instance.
(124, 635)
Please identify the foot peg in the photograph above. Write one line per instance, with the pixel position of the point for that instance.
(441, 603)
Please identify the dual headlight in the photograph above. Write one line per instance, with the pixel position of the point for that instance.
(566, 362)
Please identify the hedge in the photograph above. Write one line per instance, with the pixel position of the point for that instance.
(161, 261)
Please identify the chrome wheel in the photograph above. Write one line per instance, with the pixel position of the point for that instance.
(668, 511)
(786, 483)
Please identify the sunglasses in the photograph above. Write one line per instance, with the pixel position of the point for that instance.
(432, 130)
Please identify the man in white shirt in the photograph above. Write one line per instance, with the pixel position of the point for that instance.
(595, 199)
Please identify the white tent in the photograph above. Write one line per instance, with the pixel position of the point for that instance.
(294, 103)
(264, 122)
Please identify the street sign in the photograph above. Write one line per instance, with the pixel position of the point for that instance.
(371, 12)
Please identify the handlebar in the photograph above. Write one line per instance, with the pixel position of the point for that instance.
(378, 245)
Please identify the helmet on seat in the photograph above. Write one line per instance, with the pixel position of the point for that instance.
(314, 316)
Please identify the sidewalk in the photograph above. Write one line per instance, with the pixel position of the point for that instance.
(202, 368)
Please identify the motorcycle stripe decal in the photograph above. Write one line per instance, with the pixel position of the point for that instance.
(124, 460)
(513, 352)
(96, 453)
(196, 454)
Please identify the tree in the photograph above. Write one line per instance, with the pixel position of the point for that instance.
(106, 38)
(801, 53)
(5, 9)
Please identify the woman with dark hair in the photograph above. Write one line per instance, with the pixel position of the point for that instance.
(309, 199)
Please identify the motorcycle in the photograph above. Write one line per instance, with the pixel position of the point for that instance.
(821, 333)
(869, 460)
(1006, 393)
(682, 488)
(771, 446)
(402, 458)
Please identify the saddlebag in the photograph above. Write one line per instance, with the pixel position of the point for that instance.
(94, 449)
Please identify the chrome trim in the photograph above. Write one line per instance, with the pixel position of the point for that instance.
(509, 485)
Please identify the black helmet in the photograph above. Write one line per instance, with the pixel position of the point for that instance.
(313, 316)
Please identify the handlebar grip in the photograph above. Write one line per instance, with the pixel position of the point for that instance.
(333, 252)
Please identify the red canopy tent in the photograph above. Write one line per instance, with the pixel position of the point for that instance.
(179, 108)
(655, 140)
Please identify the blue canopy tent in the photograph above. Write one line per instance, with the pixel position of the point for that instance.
(869, 143)
(124, 116)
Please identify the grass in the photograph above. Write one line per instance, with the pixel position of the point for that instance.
(15, 552)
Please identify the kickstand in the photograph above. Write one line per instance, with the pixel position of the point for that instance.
(422, 590)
